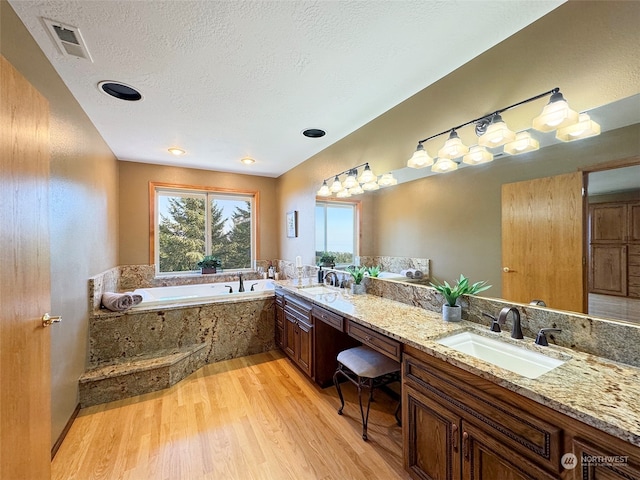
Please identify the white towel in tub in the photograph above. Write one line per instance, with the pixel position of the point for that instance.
(418, 274)
(135, 297)
(408, 272)
(117, 302)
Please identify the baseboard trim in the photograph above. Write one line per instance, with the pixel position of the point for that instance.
(64, 432)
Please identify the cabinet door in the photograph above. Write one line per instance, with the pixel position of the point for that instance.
(600, 463)
(305, 349)
(634, 222)
(608, 272)
(431, 438)
(290, 327)
(280, 336)
(608, 223)
(485, 458)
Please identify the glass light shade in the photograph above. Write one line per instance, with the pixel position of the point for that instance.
(453, 147)
(497, 133)
(336, 186)
(344, 193)
(351, 180)
(370, 186)
(176, 151)
(556, 114)
(583, 129)
(420, 158)
(444, 165)
(387, 180)
(324, 190)
(367, 175)
(357, 190)
(477, 155)
(523, 143)
(247, 160)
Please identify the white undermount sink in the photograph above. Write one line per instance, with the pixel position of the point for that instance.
(518, 360)
(317, 290)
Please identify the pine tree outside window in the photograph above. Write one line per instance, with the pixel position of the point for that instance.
(190, 224)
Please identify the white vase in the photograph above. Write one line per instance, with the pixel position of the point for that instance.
(451, 314)
(357, 289)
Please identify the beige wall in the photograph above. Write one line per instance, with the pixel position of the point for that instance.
(83, 213)
(134, 204)
(588, 49)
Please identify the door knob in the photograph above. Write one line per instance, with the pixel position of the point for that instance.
(48, 320)
(506, 269)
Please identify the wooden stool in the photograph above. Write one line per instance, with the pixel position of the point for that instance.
(365, 367)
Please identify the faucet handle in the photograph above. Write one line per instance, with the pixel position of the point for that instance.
(495, 324)
(541, 338)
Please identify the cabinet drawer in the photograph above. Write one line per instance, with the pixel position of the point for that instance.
(336, 321)
(634, 270)
(634, 249)
(297, 304)
(519, 430)
(383, 344)
(279, 297)
(634, 291)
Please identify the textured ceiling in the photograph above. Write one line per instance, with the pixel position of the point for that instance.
(228, 79)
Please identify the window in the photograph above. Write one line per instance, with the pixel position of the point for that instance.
(337, 231)
(191, 223)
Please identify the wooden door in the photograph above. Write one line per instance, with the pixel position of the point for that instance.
(608, 271)
(25, 390)
(431, 437)
(542, 242)
(290, 335)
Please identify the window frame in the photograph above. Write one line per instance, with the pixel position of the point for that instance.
(154, 187)
(357, 227)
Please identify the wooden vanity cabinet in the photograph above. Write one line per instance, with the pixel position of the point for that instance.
(457, 425)
(298, 332)
(279, 294)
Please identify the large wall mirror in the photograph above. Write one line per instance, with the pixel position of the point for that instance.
(455, 219)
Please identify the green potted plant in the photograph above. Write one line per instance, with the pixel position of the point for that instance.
(209, 264)
(327, 260)
(358, 275)
(451, 311)
(373, 271)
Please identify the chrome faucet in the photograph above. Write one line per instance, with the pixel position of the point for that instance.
(516, 330)
(241, 289)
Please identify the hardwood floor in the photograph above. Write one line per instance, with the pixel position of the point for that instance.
(618, 308)
(255, 417)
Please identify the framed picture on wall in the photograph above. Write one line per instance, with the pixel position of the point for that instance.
(292, 224)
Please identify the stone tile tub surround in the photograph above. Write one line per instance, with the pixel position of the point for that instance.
(618, 341)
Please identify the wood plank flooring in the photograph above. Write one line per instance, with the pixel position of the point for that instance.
(254, 417)
(617, 308)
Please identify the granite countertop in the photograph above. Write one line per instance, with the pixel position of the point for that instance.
(597, 391)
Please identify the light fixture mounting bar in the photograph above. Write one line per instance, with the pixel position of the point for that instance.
(346, 171)
(497, 112)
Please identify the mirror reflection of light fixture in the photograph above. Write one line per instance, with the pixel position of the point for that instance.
(336, 186)
(453, 147)
(444, 165)
(523, 143)
(477, 155)
(324, 190)
(497, 133)
(420, 158)
(247, 160)
(176, 151)
(354, 184)
(585, 128)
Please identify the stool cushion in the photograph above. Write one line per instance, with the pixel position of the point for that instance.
(365, 362)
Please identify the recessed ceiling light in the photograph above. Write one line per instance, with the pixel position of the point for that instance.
(314, 133)
(120, 90)
(247, 160)
(176, 151)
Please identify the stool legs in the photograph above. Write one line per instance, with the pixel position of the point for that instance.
(337, 384)
(361, 382)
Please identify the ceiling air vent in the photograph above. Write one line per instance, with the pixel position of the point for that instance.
(68, 39)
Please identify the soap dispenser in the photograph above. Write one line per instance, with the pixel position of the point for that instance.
(320, 275)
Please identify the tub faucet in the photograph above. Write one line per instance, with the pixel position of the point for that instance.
(241, 289)
(516, 331)
(230, 288)
(253, 285)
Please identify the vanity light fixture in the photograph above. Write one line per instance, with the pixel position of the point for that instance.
(585, 128)
(354, 184)
(523, 143)
(176, 151)
(493, 132)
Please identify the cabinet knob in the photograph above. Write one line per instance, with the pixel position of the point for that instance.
(454, 437)
(465, 445)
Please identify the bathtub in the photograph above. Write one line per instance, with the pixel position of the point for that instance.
(202, 293)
